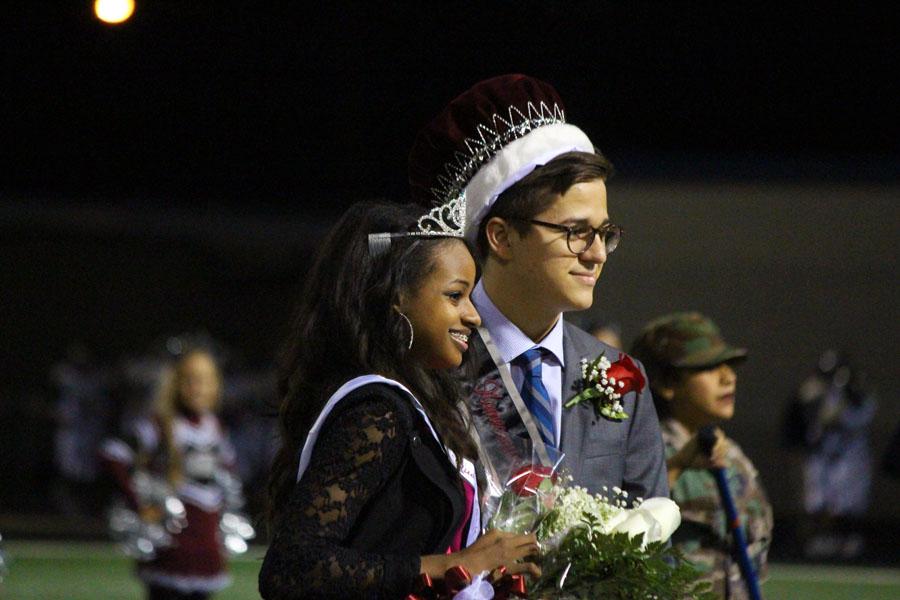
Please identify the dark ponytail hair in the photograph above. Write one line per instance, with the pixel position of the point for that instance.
(346, 326)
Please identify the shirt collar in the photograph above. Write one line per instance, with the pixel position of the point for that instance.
(510, 340)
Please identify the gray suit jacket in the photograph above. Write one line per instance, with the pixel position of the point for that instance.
(599, 452)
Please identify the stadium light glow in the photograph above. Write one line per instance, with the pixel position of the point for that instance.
(113, 12)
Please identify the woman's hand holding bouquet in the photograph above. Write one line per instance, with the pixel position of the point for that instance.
(489, 552)
(593, 546)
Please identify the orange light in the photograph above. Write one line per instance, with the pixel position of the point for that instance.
(113, 11)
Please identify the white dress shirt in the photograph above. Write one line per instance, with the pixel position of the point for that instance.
(511, 342)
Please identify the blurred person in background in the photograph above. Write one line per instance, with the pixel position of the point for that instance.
(890, 462)
(608, 332)
(246, 412)
(692, 376)
(136, 385)
(183, 447)
(4, 568)
(83, 413)
(829, 419)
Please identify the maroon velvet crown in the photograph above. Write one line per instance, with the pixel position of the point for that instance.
(437, 146)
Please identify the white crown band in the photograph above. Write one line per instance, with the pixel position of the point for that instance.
(491, 140)
(515, 161)
(498, 158)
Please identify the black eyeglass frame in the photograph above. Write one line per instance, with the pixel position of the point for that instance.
(571, 232)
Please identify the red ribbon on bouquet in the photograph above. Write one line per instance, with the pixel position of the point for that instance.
(507, 586)
(527, 480)
(457, 578)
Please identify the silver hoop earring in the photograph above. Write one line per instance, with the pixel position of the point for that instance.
(412, 333)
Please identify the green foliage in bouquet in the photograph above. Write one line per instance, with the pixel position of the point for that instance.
(521, 510)
(593, 545)
(590, 564)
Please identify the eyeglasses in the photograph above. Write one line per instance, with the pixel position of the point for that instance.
(580, 238)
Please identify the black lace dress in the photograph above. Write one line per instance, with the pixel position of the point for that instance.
(378, 494)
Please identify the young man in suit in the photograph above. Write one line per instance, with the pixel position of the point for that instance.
(533, 191)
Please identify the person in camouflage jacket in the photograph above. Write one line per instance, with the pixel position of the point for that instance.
(691, 373)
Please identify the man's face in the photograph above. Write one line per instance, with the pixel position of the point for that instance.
(563, 281)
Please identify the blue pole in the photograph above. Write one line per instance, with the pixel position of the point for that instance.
(707, 439)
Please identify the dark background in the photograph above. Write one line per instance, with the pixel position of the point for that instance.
(273, 106)
(173, 173)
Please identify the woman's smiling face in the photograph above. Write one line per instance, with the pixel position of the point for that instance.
(441, 310)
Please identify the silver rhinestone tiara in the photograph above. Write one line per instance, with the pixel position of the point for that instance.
(463, 166)
(446, 220)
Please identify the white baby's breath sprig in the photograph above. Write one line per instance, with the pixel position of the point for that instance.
(601, 389)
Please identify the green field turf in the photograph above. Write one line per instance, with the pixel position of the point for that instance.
(83, 571)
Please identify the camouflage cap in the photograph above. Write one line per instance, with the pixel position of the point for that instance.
(684, 340)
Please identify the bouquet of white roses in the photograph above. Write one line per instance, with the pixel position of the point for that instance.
(595, 546)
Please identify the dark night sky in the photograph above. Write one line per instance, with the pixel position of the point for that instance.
(261, 107)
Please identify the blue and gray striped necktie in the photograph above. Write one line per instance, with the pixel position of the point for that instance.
(535, 395)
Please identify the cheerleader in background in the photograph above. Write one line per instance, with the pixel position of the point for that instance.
(181, 444)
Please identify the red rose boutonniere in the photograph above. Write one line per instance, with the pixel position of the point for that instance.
(604, 383)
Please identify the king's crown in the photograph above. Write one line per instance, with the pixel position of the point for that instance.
(491, 139)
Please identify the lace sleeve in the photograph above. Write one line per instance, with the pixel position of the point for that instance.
(356, 452)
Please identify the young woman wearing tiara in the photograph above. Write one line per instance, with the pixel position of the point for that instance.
(374, 484)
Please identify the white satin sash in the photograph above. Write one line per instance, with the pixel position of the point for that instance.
(467, 471)
(537, 442)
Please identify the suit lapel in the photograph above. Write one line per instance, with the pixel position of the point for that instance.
(575, 419)
(498, 423)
